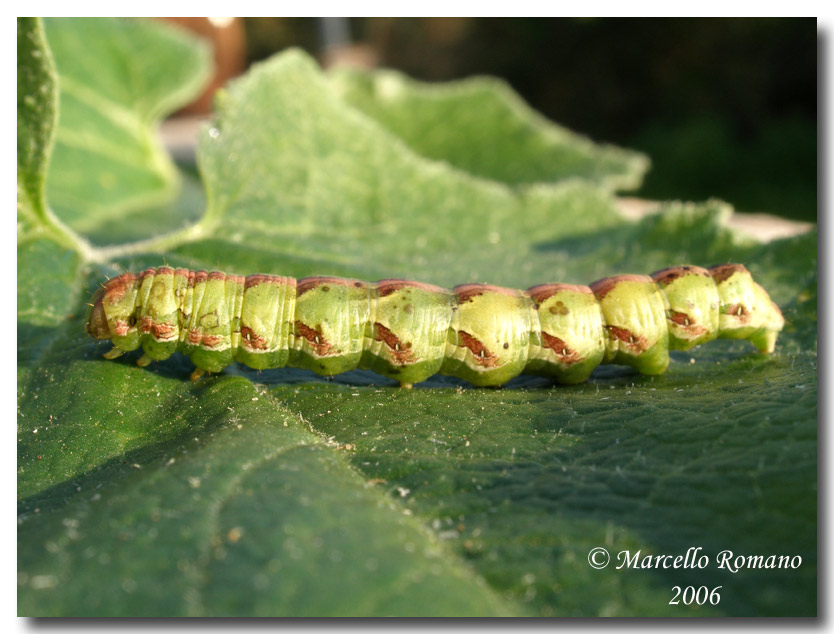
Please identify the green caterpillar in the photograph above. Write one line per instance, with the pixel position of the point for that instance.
(409, 331)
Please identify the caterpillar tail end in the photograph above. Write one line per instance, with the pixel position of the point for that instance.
(765, 341)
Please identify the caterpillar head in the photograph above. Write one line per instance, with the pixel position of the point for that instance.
(97, 325)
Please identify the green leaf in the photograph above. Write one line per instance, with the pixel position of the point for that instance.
(35, 114)
(481, 126)
(118, 79)
(281, 493)
(48, 253)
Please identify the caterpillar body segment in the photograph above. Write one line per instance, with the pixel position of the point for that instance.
(409, 331)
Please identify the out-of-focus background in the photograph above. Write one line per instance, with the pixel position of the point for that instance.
(724, 107)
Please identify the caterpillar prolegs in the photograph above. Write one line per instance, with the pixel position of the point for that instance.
(409, 331)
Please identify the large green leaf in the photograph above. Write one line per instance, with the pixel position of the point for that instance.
(117, 79)
(504, 138)
(283, 493)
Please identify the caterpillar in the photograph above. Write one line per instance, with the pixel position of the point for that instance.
(409, 331)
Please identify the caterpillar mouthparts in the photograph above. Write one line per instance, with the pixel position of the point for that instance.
(409, 331)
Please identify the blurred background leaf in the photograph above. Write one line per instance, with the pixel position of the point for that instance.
(506, 140)
(724, 107)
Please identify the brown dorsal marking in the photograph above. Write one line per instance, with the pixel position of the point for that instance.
(723, 271)
(309, 283)
(401, 352)
(637, 343)
(483, 357)
(687, 323)
(545, 291)
(667, 276)
(466, 292)
(565, 354)
(116, 288)
(252, 340)
(602, 287)
(319, 343)
(259, 278)
(388, 286)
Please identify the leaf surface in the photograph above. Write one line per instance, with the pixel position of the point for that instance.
(283, 493)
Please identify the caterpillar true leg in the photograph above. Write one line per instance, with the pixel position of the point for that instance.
(113, 353)
(409, 331)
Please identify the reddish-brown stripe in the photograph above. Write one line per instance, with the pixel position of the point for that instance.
(565, 354)
(636, 343)
(483, 357)
(740, 312)
(162, 330)
(211, 341)
(322, 346)
(687, 323)
(252, 340)
(400, 351)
